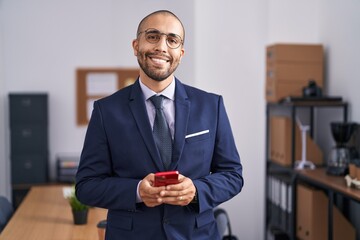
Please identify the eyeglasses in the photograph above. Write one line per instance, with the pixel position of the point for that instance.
(153, 36)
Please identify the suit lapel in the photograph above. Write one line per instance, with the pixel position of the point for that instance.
(182, 110)
(138, 109)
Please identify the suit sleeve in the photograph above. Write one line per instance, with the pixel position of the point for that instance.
(225, 180)
(95, 183)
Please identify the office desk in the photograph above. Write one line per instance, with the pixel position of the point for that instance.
(46, 215)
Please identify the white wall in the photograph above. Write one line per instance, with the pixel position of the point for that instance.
(230, 60)
(232, 63)
(339, 29)
(339, 23)
(44, 42)
(293, 21)
(335, 24)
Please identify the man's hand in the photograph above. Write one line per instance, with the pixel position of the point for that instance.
(179, 194)
(150, 195)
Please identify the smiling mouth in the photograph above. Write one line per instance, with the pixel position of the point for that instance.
(159, 60)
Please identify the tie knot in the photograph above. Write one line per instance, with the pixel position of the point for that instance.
(157, 101)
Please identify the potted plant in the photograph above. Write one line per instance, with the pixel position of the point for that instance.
(79, 210)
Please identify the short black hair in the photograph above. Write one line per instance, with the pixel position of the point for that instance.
(164, 12)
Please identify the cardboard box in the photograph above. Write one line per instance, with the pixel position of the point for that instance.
(352, 170)
(343, 229)
(312, 217)
(275, 91)
(280, 143)
(311, 214)
(290, 67)
(313, 53)
(288, 79)
(289, 72)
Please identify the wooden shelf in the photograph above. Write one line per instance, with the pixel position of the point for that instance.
(322, 179)
(317, 178)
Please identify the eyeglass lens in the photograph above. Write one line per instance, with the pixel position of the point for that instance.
(154, 36)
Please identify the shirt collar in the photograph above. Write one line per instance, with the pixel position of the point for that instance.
(168, 92)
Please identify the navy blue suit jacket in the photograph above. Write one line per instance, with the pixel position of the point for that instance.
(119, 151)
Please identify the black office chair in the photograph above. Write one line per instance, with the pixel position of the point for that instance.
(223, 223)
(101, 226)
(6, 211)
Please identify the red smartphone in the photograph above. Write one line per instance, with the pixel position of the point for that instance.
(166, 178)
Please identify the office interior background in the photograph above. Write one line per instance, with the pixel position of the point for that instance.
(42, 43)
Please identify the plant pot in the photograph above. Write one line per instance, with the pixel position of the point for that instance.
(80, 217)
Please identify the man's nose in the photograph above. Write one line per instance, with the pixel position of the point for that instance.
(161, 45)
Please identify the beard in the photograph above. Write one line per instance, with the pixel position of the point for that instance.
(154, 73)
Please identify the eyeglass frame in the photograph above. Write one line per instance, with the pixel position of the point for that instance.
(161, 33)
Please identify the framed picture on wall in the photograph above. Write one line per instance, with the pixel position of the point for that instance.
(96, 83)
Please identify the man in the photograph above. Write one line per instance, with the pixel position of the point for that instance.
(122, 151)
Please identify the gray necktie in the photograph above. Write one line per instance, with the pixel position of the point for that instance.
(161, 131)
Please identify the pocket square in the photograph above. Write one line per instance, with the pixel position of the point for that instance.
(196, 134)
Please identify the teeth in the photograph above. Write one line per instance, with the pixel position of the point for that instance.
(158, 60)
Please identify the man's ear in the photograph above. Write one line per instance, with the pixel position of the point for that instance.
(182, 53)
(135, 45)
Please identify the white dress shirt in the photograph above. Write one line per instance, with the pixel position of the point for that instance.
(168, 108)
(168, 104)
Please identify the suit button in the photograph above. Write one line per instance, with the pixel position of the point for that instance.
(165, 221)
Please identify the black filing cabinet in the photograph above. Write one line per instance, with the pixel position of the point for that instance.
(28, 142)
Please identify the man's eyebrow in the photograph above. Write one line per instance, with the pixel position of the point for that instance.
(173, 34)
(152, 30)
